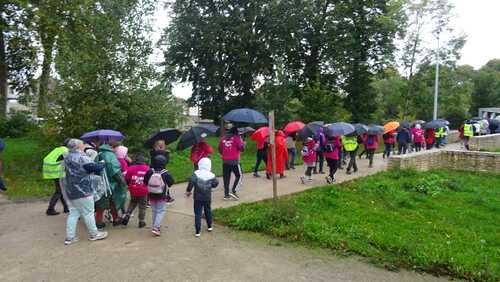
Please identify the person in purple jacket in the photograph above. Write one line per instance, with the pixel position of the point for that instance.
(230, 147)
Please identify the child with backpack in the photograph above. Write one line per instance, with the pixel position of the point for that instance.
(137, 188)
(202, 181)
(158, 181)
(309, 157)
(371, 146)
(332, 149)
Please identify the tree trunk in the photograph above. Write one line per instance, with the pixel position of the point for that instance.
(3, 75)
(48, 41)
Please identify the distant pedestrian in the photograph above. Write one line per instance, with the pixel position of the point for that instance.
(467, 132)
(351, 145)
(403, 138)
(230, 147)
(429, 138)
(53, 169)
(332, 156)
(281, 156)
(158, 181)
(292, 151)
(371, 147)
(261, 156)
(202, 181)
(389, 140)
(309, 157)
(418, 137)
(200, 151)
(138, 189)
(320, 139)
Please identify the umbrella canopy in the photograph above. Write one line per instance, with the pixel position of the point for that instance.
(391, 126)
(245, 130)
(245, 115)
(210, 126)
(404, 124)
(360, 128)
(193, 136)
(340, 129)
(437, 123)
(374, 129)
(310, 129)
(293, 127)
(169, 135)
(260, 134)
(103, 135)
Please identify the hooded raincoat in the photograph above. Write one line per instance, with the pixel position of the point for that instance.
(113, 172)
(281, 154)
(203, 181)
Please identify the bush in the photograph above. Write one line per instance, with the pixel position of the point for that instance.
(17, 125)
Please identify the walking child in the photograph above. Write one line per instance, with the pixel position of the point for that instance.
(309, 157)
(332, 149)
(202, 181)
(138, 189)
(158, 181)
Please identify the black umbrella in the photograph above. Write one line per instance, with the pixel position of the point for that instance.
(437, 123)
(169, 135)
(340, 129)
(404, 124)
(360, 128)
(245, 115)
(444, 121)
(212, 127)
(310, 129)
(193, 136)
(374, 129)
(245, 130)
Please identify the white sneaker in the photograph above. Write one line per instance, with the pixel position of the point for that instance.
(68, 242)
(328, 179)
(101, 235)
(197, 235)
(210, 229)
(234, 196)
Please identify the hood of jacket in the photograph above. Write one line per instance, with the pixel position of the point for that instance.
(204, 169)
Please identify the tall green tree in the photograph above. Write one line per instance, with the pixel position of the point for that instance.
(487, 86)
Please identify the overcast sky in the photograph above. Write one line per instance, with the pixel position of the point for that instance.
(478, 19)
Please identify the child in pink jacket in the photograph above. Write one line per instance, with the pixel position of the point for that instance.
(309, 158)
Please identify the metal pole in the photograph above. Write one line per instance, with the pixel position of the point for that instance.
(436, 83)
(273, 155)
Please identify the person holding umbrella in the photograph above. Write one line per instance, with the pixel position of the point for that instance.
(200, 151)
(230, 148)
(332, 149)
(404, 138)
(261, 137)
(351, 143)
(389, 140)
(429, 138)
(281, 156)
(371, 146)
(418, 137)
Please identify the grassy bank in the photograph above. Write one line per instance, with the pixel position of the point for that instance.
(440, 222)
(23, 162)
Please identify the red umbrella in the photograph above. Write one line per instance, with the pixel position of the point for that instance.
(260, 134)
(293, 127)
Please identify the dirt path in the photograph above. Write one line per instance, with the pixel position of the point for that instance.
(32, 249)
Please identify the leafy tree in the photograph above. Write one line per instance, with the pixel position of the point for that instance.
(281, 99)
(320, 103)
(487, 86)
(389, 88)
(17, 50)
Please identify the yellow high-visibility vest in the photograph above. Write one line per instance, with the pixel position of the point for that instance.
(468, 131)
(53, 169)
(350, 143)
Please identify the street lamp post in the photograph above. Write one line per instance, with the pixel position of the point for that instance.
(436, 83)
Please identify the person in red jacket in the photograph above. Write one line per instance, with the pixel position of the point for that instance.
(200, 151)
(281, 156)
(371, 146)
(389, 140)
(138, 189)
(430, 135)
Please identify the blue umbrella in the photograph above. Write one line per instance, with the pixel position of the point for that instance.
(374, 129)
(437, 123)
(245, 115)
(360, 128)
(340, 129)
(103, 135)
(310, 129)
(245, 130)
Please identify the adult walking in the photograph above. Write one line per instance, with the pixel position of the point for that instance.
(332, 155)
(292, 151)
(79, 192)
(117, 184)
(418, 137)
(230, 148)
(403, 138)
(468, 132)
(389, 140)
(53, 169)
(350, 143)
(429, 138)
(261, 156)
(371, 146)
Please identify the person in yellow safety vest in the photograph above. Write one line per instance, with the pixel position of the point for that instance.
(468, 133)
(350, 143)
(53, 169)
(439, 136)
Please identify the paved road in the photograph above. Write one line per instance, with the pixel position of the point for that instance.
(32, 247)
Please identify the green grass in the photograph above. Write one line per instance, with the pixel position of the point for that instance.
(441, 222)
(23, 164)
(495, 150)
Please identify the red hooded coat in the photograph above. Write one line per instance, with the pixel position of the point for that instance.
(281, 154)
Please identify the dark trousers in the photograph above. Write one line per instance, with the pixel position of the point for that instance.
(319, 162)
(429, 146)
(138, 201)
(199, 208)
(56, 197)
(292, 152)
(333, 165)
(261, 157)
(402, 147)
(388, 150)
(352, 161)
(370, 153)
(418, 146)
(227, 169)
(309, 170)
